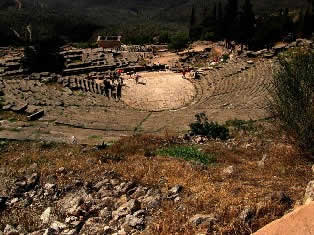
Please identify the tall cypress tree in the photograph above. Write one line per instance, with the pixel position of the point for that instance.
(219, 22)
(230, 19)
(192, 17)
(287, 24)
(209, 24)
(247, 22)
(308, 23)
(192, 22)
(215, 11)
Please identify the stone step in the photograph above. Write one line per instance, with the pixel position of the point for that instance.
(76, 71)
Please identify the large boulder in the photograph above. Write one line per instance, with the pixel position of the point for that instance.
(298, 222)
(309, 192)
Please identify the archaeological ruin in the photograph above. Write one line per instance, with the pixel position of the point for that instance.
(137, 89)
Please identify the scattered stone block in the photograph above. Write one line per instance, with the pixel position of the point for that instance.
(35, 116)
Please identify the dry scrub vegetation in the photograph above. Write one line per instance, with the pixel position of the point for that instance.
(206, 189)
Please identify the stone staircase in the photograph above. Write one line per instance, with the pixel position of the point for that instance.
(96, 60)
(11, 66)
(234, 85)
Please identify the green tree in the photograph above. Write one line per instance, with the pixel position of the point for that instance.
(219, 21)
(247, 22)
(179, 40)
(209, 25)
(194, 29)
(287, 25)
(308, 23)
(292, 98)
(231, 21)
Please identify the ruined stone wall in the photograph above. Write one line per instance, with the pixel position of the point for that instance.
(11, 62)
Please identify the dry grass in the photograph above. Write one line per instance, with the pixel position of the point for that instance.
(12, 116)
(206, 189)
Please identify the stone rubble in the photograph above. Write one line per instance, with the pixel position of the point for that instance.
(109, 206)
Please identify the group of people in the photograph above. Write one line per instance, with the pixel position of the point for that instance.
(113, 85)
(192, 73)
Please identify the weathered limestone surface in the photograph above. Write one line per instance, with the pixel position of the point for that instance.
(298, 222)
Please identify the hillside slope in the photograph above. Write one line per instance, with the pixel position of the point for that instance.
(130, 11)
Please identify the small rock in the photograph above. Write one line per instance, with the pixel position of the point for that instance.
(49, 186)
(105, 213)
(73, 140)
(313, 169)
(108, 230)
(261, 163)
(33, 167)
(10, 230)
(14, 200)
(58, 226)
(151, 202)
(228, 171)
(27, 202)
(32, 181)
(70, 219)
(39, 232)
(70, 204)
(175, 190)
(201, 219)
(134, 221)
(61, 170)
(114, 182)
(101, 184)
(139, 192)
(93, 225)
(46, 216)
(247, 214)
(50, 231)
(177, 199)
(126, 208)
(139, 213)
(69, 232)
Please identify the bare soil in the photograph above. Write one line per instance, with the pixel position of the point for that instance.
(156, 91)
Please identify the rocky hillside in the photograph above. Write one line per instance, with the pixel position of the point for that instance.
(110, 11)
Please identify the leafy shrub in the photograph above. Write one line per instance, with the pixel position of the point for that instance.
(178, 41)
(47, 144)
(225, 58)
(241, 124)
(164, 37)
(188, 153)
(111, 157)
(209, 129)
(292, 98)
(149, 153)
(3, 145)
(209, 36)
